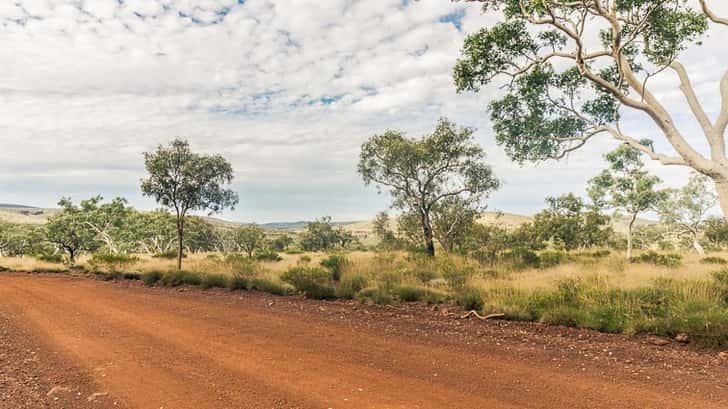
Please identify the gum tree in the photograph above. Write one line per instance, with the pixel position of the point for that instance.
(571, 68)
(626, 186)
(420, 174)
(185, 181)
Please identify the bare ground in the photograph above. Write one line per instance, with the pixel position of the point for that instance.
(123, 345)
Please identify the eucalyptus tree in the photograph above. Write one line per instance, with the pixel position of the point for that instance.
(685, 210)
(571, 68)
(249, 239)
(185, 181)
(69, 231)
(420, 173)
(626, 186)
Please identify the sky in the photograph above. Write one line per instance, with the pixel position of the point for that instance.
(286, 90)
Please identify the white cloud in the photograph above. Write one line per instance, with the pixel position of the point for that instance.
(287, 90)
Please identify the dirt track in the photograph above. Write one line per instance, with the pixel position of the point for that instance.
(157, 348)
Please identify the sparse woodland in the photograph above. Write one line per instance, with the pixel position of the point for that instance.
(632, 257)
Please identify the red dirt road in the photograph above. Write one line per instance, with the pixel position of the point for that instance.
(158, 348)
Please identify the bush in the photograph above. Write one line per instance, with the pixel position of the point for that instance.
(456, 276)
(169, 255)
(653, 257)
(180, 277)
(335, 263)
(213, 281)
(152, 277)
(51, 258)
(268, 286)
(268, 256)
(351, 286)
(131, 276)
(409, 294)
(313, 282)
(375, 295)
(111, 262)
(471, 299)
(549, 259)
(3, 269)
(714, 260)
(237, 282)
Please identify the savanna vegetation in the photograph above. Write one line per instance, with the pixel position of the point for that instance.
(628, 258)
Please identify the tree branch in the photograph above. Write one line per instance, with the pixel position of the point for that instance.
(711, 14)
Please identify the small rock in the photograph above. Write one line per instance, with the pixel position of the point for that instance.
(96, 395)
(723, 355)
(58, 389)
(658, 341)
(682, 337)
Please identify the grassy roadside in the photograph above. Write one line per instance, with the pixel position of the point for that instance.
(585, 291)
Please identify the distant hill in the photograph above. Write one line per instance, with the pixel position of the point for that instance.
(25, 214)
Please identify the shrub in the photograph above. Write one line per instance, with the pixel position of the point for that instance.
(335, 263)
(549, 259)
(131, 276)
(3, 269)
(714, 260)
(268, 286)
(50, 270)
(456, 276)
(111, 262)
(294, 251)
(409, 294)
(313, 282)
(169, 255)
(51, 258)
(212, 281)
(180, 277)
(237, 282)
(241, 264)
(375, 295)
(152, 277)
(470, 299)
(653, 257)
(268, 256)
(351, 286)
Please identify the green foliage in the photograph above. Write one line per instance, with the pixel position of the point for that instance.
(271, 287)
(471, 299)
(568, 223)
(549, 259)
(152, 277)
(168, 255)
(457, 276)
(238, 282)
(213, 281)
(268, 255)
(313, 282)
(180, 277)
(553, 104)
(111, 262)
(653, 257)
(336, 263)
(50, 258)
(714, 260)
(445, 164)
(249, 239)
(69, 231)
(185, 181)
(409, 294)
(376, 296)
(351, 286)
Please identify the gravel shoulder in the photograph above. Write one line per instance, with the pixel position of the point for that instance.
(130, 346)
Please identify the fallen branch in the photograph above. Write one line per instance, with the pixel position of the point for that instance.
(473, 313)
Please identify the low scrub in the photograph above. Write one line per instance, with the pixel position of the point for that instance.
(213, 281)
(335, 263)
(152, 277)
(271, 287)
(168, 255)
(375, 296)
(51, 258)
(665, 308)
(410, 294)
(111, 262)
(351, 286)
(180, 277)
(271, 256)
(471, 299)
(658, 259)
(313, 282)
(238, 282)
(714, 260)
